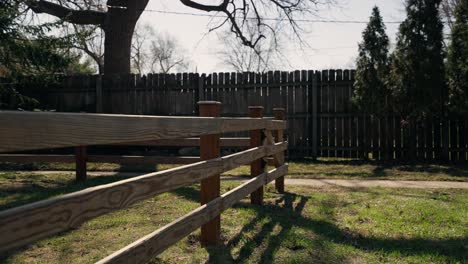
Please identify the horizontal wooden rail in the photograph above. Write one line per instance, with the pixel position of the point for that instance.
(102, 159)
(42, 130)
(22, 225)
(99, 159)
(189, 142)
(151, 245)
(142, 159)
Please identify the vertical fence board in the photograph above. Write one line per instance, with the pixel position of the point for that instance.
(339, 109)
(324, 117)
(429, 140)
(313, 127)
(413, 142)
(332, 111)
(453, 140)
(375, 138)
(299, 111)
(305, 113)
(461, 140)
(398, 141)
(350, 123)
(290, 110)
(274, 93)
(465, 136)
(284, 89)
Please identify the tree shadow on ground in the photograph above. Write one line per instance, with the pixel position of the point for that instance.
(143, 168)
(287, 213)
(381, 167)
(188, 192)
(455, 170)
(36, 188)
(433, 194)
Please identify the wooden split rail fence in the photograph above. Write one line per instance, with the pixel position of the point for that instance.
(40, 130)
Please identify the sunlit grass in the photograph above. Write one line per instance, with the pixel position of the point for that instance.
(305, 225)
(320, 169)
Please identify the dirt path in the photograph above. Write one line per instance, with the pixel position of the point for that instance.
(311, 182)
(378, 183)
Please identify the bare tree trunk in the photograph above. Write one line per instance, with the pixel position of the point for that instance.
(118, 41)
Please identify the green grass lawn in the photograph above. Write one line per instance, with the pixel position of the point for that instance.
(305, 225)
(320, 169)
(352, 169)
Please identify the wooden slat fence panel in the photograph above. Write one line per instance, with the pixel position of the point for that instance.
(341, 131)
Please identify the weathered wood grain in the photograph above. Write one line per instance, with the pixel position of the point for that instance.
(258, 166)
(142, 159)
(42, 130)
(26, 158)
(279, 157)
(210, 188)
(279, 172)
(275, 124)
(230, 162)
(22, 225)
(189, 142)
(144, 249)
(271, 141)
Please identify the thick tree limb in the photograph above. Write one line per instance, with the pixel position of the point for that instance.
(208, 8)
(81, 17)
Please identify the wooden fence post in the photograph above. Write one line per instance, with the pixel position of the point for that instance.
(257, 167)
(279, 115)
(80, 163)
(210, 187)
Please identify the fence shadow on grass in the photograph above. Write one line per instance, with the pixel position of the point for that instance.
(287, 213)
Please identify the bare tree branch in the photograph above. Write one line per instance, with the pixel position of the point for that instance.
(448, 11)
(208, 8)
(244, 15)
(81, 17)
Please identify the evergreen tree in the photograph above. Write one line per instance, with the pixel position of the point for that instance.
(28, 50)
(417, 67)
(457, 61)
(371, 93)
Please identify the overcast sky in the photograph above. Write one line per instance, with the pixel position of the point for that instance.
(330, 45)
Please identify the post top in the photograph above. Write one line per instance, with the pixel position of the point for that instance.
(256, 107)
(279, 109)
(209, 103)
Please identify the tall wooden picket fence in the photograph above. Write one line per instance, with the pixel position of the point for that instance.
(322, 121)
